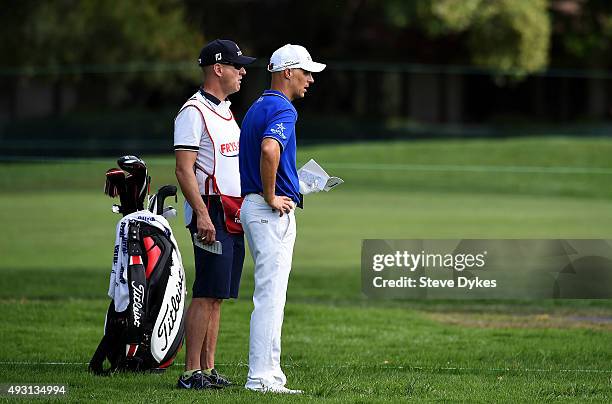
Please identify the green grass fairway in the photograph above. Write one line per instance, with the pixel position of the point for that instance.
(58, 234)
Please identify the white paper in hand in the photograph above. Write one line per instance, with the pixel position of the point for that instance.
(216, 247)
(313, 178)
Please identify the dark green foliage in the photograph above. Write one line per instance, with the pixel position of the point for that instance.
(50, 33)
(508, 36)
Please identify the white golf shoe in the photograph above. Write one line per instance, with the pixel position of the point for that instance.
(277, 389)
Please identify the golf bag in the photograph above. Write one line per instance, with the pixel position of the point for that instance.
(144, 325)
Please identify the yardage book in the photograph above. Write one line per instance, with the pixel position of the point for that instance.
(313, 178)
(215, 248)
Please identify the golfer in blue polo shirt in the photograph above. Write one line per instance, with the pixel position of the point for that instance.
(270, 185)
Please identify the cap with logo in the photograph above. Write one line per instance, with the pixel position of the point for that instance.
(293, 57)
(223, 51)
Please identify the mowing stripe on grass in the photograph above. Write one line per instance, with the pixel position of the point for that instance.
(455, 168)
(289, 365)
(366, 166)
(472, 168)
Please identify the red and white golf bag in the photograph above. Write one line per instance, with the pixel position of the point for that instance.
(144, 326)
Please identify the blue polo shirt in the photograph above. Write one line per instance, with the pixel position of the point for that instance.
(273, 116)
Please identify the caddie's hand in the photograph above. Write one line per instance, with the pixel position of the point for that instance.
(283, 204)
(206, 230)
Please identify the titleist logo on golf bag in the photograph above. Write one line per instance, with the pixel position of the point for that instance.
(171, 313)
(137, 303)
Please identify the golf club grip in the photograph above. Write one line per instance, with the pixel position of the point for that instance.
(162, 194)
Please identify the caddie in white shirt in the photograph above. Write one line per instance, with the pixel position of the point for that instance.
(206, 144)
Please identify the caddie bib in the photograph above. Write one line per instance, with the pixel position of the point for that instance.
(223, 178)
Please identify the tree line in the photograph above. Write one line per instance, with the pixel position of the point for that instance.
(520, 35)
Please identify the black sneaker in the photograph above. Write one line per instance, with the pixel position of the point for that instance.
(197, 381)
(217, 379)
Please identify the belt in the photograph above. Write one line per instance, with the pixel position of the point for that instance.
(255, 197)
(258, 197)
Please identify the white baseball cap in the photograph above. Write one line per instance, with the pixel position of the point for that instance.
(293, 57)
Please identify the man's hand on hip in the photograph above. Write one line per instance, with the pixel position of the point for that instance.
(283, 204)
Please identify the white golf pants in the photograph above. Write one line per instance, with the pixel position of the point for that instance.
(271, 238)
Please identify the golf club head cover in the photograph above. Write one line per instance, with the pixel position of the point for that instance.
(115, 182)
(137, 182)
(130, 182)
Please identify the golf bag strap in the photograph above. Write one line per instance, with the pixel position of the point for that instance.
(137, 285)
(97, 360)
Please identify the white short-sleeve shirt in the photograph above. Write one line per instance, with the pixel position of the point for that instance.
(191, 134)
